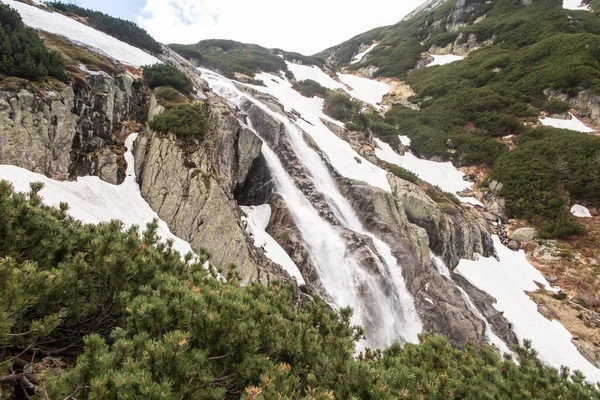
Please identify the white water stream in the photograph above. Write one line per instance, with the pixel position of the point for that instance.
(378, 294)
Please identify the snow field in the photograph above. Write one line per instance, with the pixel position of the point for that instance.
(508, 280)
(93, 201)
(572, 124)
(82, 34)
(444, 175)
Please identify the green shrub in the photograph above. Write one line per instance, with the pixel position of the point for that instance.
(554, 106)
(131, 319)
(167, 75)
(229, 57)
(188, 121)
(22, 52)
(121, 29)
(310, 88)
(169, 97)
(403, 173)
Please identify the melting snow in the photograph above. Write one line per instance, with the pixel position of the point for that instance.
(507, 280)
(405, 140)
(580, 211)
(258, 220)
(79, 33)
(359, 57)
(444, 175)
(364, 89)
(312, 72)
(341, 156)
(92, 200)
(573, 124)
(575, 5)
(444, 59)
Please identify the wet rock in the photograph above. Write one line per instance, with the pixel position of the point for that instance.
(591, 353)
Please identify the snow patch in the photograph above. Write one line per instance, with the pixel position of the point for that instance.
(572, 124)
(507, 280)
(444, 175)
(312, 72)
(575, 5)
(364, 89)
(580, 211)
(91, 200)
(405, 140)
(339, 153)
(82, 34)
(359, 57)
(444, 59)
(258, 220)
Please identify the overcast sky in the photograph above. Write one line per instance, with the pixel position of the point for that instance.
(305, 26)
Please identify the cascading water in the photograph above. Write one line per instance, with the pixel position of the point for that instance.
(378, 295)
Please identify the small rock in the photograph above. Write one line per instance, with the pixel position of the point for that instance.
(551, 279)
(523, 235)
(513, 245)
(358, 160)
(545, 311)
(490, 217)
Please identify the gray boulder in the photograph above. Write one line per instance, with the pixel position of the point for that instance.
(523, 235)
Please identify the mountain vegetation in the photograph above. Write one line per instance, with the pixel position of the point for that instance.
(229, 57)
(22, 52)
(498, 90)
(167, 75)
(132, 319)
(186, 121)
(121, 29)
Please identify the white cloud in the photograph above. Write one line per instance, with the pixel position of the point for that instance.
(305, 26)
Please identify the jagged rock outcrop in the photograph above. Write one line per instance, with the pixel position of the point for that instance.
(37, 131)
(585, 102)
(191, 186)
(68, 131)
(454, 235)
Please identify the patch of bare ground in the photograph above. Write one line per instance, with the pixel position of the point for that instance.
(400, 92)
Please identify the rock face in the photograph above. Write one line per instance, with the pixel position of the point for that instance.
(585, 102)
(68, 132)
(455, 235)
(191, 188)
(37, 132)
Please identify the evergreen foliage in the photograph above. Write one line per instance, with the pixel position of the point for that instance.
(310, 88)
(134, 320)
(186, 121)
(547, 168)
(121, 29)
(229, 57)
(167, 75)
(22, 52)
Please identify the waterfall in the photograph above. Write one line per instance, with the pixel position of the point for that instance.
(377, 294)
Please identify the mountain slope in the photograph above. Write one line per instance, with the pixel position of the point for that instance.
(95, 311)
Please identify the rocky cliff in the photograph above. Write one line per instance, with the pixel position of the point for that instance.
(75, 129)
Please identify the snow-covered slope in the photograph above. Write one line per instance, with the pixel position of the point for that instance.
(92, 200)
(341, 156)
(79, 33)
(444, 175)
(508, 279)
(364, 89)
(572, 124)
(258, 220)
